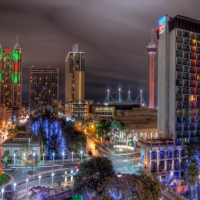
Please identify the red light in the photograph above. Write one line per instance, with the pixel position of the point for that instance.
(7, 50)
(16, 67)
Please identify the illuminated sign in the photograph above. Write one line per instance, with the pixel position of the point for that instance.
(162, 25)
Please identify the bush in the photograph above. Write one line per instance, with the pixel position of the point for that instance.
(30, 172)
(4, 178)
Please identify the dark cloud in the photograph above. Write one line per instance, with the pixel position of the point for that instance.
(113, 33)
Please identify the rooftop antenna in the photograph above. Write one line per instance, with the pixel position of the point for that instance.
(108, 97)
(129, 96)
(17, 38)
(141, 98)
(119, 96)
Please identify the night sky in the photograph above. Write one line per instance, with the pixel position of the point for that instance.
(113, 33)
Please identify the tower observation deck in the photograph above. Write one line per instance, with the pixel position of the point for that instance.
(151, 50)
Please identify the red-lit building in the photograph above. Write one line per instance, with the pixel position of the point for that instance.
(11, 77)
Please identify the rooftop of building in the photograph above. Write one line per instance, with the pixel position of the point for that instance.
(21, 139)
(156, 141)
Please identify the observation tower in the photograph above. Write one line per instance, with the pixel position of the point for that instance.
(151, 50)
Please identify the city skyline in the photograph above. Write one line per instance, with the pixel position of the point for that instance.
(115, 44)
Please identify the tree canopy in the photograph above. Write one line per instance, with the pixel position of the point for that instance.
(92, 173)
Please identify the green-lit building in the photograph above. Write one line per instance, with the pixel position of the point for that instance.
(11, 77)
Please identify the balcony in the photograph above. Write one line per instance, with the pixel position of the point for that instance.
(193, 49)
(198, 112)
(192, 106)
(179, 75)
(198, 127)
(179, 47)
(192, 84)
(198, 133)
(193, 134)
(179, 61)
(179, 83)
(198, 77)
(186, 84)
(192, 62)
(198, 43)
(198, 70)
(179, 105)
(198, 105)
(192, 90)
(186, 98)
(185, 61)
(176, 153)
(185, 105)
(192, 77)
(198, 50)
(179, 120)
(186, 41)
(197, 37)
(198, 91)
(179, 40)
(185, 76)
(179, 54)
(179, 33)
(193, 42)
(185, 120)
(185, 90)
(185, 113)
(178, 112)
(197, 63)
(178, 142)
(198, 57)
(153, 155)
(192, 119)
(185, 128)
(186, 48)
(169, 154)
(176, 164)
(178, 127)
(192, 36)
(186, 34)
(178, 134)
(179, 97)
(192, 127)
(179, 68)
(192, 70)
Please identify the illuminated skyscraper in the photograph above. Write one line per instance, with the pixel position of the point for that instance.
(151, 50)
(11, 77)
(75, 76)
(44, 89)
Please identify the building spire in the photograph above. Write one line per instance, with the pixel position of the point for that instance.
(151, 36)
(17, 46)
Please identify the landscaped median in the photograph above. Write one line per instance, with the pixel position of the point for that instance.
(5, 179)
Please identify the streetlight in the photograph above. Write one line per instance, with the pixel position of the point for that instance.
(63, 154)
(53, 157)
(14, 186)
(81, 155)
(26, 185)
(52, 178)
(71, 176)
(14, 157)
(34, 160)
(43, 158)
(2, 190)
(72, 155)
(24, 154)
(39, 179)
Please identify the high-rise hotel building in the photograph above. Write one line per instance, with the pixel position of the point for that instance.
(44, 89)
(75, 75)
(179, 82)
(11, 77)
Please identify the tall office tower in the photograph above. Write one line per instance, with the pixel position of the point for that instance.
(75, 76)
(179, 82)
(11, 77)
(151, 50)
(44, 89)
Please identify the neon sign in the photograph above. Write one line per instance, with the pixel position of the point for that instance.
(162, 25)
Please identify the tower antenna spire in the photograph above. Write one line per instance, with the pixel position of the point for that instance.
(17, 38)
(151, 36)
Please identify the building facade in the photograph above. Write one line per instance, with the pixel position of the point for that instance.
(75, 76)
(178, 82)
(44, 89)
(11, 77)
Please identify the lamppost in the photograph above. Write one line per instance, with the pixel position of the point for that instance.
(33, 160)
(26, 185)
(2, 191)
(72, 155)
(81, 155)
(53, 157)
(52, 178)
(39, 179)
(63, 154)
(43, 158)
(14, 186)
(71, 176)
(14, 157)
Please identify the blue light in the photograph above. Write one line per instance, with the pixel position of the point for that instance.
(162, 20)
